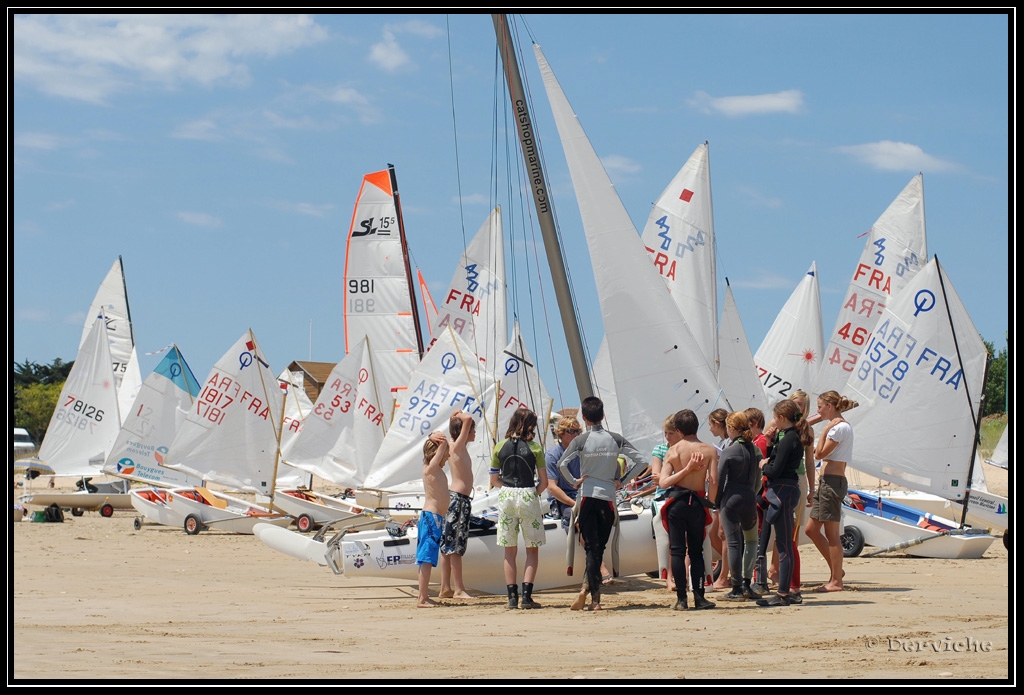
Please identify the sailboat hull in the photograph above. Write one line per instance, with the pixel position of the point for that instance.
(885, 523)
(238, 516)
(88, 501)
(322, 509)
(152, 504)
(378, 554)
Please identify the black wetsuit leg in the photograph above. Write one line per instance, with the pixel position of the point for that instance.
(686, 537)
(596, 519)
(784, 524)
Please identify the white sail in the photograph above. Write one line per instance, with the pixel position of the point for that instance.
(474, 305)
(345, 427)
(163, 403)
(919, 383)
(296, 406)
(378, 294)
(131, 383)
(893, 253)
(736, 371)
(659, 367)
(111, 301)
(680, 236)
(429, 308)
(1001, 455)
(790, 354)
(518, 385)
(445, 382)
(85, 423)
(232, 432)
(603, 378)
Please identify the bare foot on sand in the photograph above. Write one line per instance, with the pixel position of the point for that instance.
(462, 596)
(426, 604)
(828, 588)
(581, 600)
(446, 593)
(594, 607)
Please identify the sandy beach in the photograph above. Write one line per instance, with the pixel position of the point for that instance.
(95, 599)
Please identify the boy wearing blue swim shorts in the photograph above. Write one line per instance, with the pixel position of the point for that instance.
(435, 506)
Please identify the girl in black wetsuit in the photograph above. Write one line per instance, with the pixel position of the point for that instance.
(783, 494)
(737, 474)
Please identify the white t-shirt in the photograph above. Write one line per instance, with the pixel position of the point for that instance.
(843, 435)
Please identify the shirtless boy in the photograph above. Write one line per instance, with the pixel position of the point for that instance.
(689, 463)
(435, 506)
(455, 529)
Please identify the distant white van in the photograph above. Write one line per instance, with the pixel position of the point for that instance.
(23, 440)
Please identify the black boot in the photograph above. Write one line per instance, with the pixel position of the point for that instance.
(699, 602)
(736, 594)
(749, 592)
(528, 601)
(513, 595)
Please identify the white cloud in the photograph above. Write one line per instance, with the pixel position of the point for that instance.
(305, 208)
(203, 129)
(59, 205)
(344, 95)
(789, 101)
(38, 141)
(896, 156)
(387, 54)
(757, 198)
(416, 27)
(473, 199)
(617, 164)
(34, 315)
(278, 121)
(92, 57)
(200, 219)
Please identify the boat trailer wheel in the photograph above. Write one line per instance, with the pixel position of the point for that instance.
(304, 523)
(137, 523)
(77, 511)
(107, 510)
(852, 541)
(193, 525)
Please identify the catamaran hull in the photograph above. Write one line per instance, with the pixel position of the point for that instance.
(890, 523)
(237, 517)
(377, 554)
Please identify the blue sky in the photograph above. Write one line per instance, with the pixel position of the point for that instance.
(221, 157)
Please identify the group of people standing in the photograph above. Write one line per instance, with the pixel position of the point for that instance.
(748, 486)
(753, 481)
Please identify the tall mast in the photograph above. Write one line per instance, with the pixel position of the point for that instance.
(542, 203)
(405, 259)
(127, 307)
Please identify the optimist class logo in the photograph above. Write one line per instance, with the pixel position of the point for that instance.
(246, 358)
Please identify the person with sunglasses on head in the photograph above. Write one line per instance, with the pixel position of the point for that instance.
(559, 489)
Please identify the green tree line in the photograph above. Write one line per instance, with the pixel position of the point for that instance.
(36, 390)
